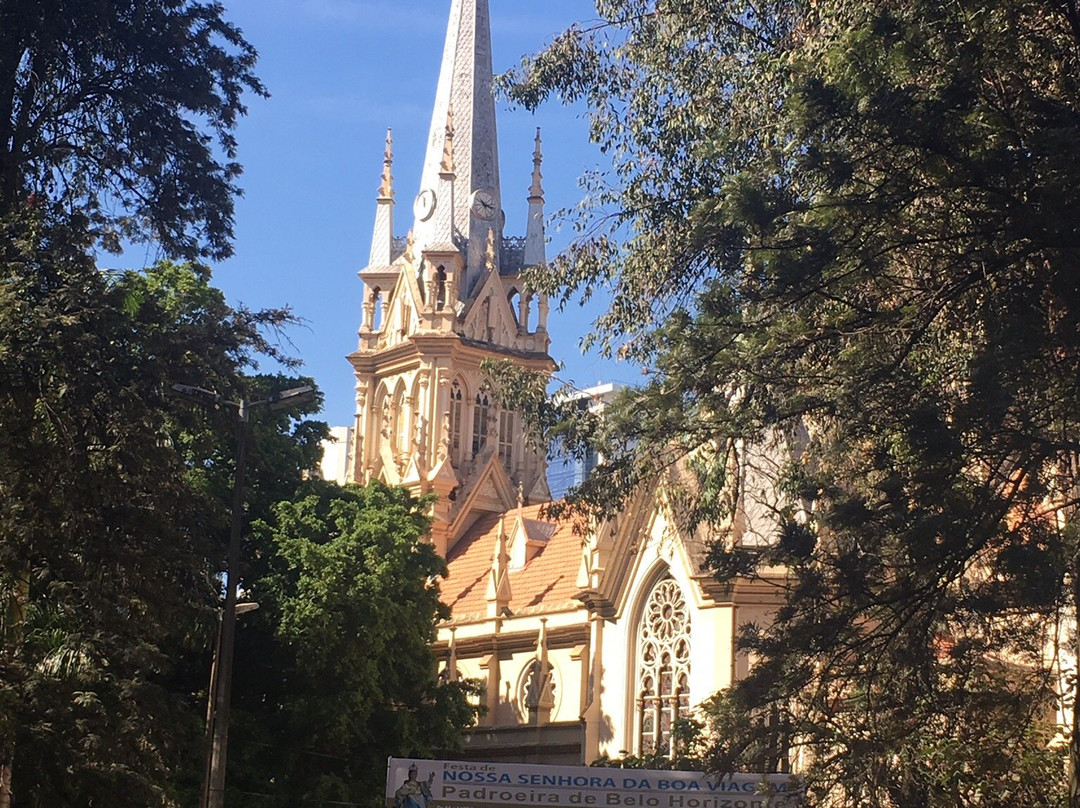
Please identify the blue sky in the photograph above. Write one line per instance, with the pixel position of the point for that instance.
(340, 72)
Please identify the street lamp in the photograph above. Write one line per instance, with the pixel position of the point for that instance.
(214, 794)
(211, 696)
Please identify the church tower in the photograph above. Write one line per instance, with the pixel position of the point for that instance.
(444, 299)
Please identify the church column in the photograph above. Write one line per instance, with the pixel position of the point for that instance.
(440, 410)
(431, 288)
(427, 426)
(542, 315)
(593, 714)
(355, 473)
(489, 664)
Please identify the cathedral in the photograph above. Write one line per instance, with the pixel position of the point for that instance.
(588, 641)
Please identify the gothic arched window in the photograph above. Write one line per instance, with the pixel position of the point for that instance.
(481, 413)
(457, 416)
(440, 289)
(506, 439)
(663, 670)
(375, 300)
(399, 418)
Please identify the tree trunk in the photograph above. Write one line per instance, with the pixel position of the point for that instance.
(5, 784)
(1074, 735)
(11, 648)
(1072, 488)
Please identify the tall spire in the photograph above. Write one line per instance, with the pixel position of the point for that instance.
(465, 83)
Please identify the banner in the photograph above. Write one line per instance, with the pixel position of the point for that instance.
(460, 784)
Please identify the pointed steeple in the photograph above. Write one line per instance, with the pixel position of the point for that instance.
(535, 253)
(465, 85)
(382, 241)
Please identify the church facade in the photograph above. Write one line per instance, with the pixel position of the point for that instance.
(589, 639)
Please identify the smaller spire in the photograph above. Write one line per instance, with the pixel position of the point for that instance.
(386, 190)
(382, 239)
(535, 247)
(436, 229)
(537, 189)
(447, 165)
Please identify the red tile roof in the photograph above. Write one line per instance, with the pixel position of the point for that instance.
(548, 582)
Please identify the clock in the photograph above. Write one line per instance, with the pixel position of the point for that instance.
(483, 204)
(424, 205)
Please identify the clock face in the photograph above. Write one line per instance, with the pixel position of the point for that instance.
(424, 205)
(483, 204)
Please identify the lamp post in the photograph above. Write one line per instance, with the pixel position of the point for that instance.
(214, 793)
(211, 698)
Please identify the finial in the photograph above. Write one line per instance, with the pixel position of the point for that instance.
(498, 592)
(386, 190)
(452, 661)
(489, 251)
(447, 166)
(521, 496)
(537, 189)
(542, 643)
(410, 246)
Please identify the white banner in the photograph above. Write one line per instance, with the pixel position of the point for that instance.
(460, 784)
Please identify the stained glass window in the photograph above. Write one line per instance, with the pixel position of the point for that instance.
(457, 407)
(663, 692)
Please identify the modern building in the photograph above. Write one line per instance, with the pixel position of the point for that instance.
(590, 638)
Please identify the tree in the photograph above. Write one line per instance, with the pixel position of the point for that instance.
(338, 671)
(850, 236)
(105, 110)
(107, 536)
(116, 122)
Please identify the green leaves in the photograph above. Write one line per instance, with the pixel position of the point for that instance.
(122, 114)
(838, 235)
(109, 533)
(348, 607)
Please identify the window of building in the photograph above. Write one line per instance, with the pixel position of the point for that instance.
(457, 415)
(506, 439)
(663, 670)
(399, 422)
(440, 289)
(480, 422)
